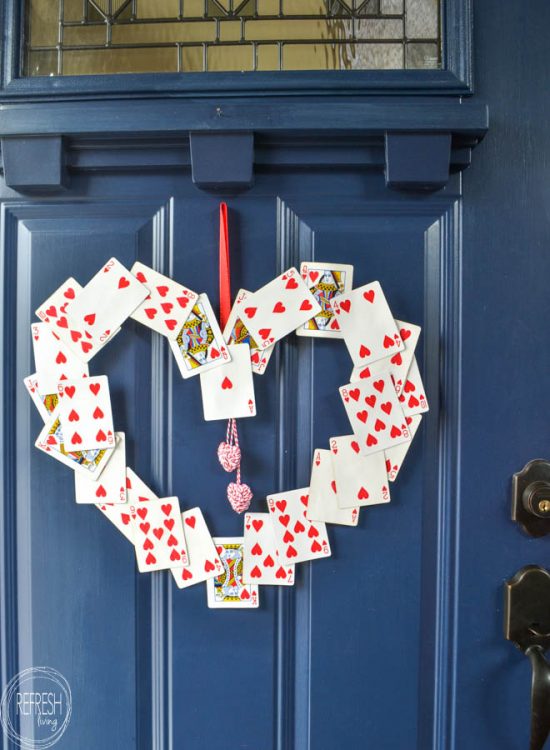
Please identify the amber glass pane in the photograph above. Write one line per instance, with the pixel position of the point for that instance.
(87, 37)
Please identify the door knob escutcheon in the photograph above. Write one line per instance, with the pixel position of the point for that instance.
(531, 497)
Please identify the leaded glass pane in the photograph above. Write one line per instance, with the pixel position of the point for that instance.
(85, 37)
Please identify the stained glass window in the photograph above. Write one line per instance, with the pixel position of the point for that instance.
(85, 37)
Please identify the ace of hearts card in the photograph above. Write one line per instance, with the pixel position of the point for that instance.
(199, 345)
(323, 494)
(228, 591)
(159, 538)
(297, 538)
(204, 560)
(325, 281)
(85, 413)
(228, 391)
(279, 307)
(367, 324)
(262, 563)
(361, 480)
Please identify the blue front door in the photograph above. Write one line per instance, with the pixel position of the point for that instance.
(396, 641)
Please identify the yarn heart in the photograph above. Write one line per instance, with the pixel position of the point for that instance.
(239, 496)
(229, 456)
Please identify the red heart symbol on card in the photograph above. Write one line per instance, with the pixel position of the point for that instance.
(405, 333)
(387, 407)
(142, 512)
(51, 440)
(313, 275)
(214, 354)
(388, 342)
(362, 494)
(167, 307)
(362, 416)
(140, 277)
(182, 301)
(95, 388)
(346, 305)
(333, 486)
(52, 311)
(150, 312)
(123, 282)
(396, 359)
(171, 324)
(379, 385)
(354, 394)
(76, 439)
(280, 505)
(98, 414)
(334, 325)
(175, 555)
(257, 524)
(299, 527)
(281, 573)
(125, 518)
(162, 290)
(245, 594)
(370, 400)
(226, 384)
(304, 499)
(355, 446)
(371, 440)
(369, 296)
(90, 319)
(62, 323)
(264, 332)
(255, 572)
(306, 305)
(100, 492)
(413, 401)
(169, 523)
(61, 358)
(166, 509)
(69, 293)
(408, 420)
(291, 552)
(279, 308)
(208, 566)
(409, 386)
(312, 532)
(101, 437)
(364, 351)
(250, 312)
(284, 519)
(379, 425)
(73, 416)
(172, 541)
(148, 544)
(388, 466)
(85, 346)
(75, 335)
(150, 559)
(158, 533)
(190, 521)
(256, 549)
(395, 432)
(365, 373)
(288, 537)
(291, 284)
(315, 547)
(186, 573)
(268, 562)
(255, 358)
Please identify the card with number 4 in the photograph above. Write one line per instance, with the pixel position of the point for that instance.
(262, 563)
(367, 324)
(375, 414)
(297, 538)
(228, 591)
(361, 480)
(228, 391)
(159, 538)
(204, 561)
(85, 413)
(236, 332)
(323, 494)
(325, 281)
(279, 308)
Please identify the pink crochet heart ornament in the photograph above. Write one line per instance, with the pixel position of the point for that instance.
(229, 456)
(239, 496)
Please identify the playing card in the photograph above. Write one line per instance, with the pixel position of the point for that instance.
(53, 360)
(204, 561)
(102, 306)
(85, 413)
(374, 413)
(44, 403)
(227, 591)
(87, 462)
(412, 398)
(235, 332)
(168, 304)
(228, 391)
(262, 563)
(120, 515)
(397, 364)
(361, 480)
(396, 456)
(199, 345)
(111, 487)
(279, 308)
(325, 281)
(159, 538)
(54, 309)
(367, 325)
(297, 538)
(323, 494)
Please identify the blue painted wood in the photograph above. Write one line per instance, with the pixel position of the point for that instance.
(417, 162)
(222, 161)
(34, 164)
